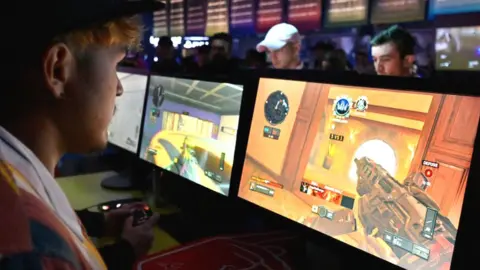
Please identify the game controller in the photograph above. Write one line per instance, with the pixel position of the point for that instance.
(141, 215)
(116, 204)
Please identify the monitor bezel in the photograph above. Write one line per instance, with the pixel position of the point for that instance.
(459, 83)
(134, 71)
(245, 78)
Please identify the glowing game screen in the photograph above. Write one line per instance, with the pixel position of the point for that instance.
(458, 48)
(190, 129)
(124, 128)
(365, 166)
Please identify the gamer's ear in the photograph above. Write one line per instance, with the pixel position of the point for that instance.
(57, 63)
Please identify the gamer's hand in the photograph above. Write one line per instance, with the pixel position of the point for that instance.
(140, 236)
(115, 219)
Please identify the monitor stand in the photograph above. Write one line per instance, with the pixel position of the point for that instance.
(120, 181)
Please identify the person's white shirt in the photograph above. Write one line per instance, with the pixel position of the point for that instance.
(35, 179)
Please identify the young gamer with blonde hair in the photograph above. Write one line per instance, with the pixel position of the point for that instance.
(58, 97)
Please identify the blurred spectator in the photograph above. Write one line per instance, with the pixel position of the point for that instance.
(165, 56)
(198, 61)
(319, 50)
(393, 52)
(134, 59)
(283, 44)
(363, 64)
(221, 46)
(255, 60)
(335, 60)
(202, 56)
(221, 60)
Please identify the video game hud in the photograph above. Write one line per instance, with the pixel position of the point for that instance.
(381, 170)
(458, 48)
(190, 129)
(124, 128)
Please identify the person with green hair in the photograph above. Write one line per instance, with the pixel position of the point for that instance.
(393, 52)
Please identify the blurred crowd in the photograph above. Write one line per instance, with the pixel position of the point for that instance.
(391, 53)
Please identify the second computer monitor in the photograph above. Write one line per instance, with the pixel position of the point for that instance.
(382, 170)
(124, 128)
(190, 129)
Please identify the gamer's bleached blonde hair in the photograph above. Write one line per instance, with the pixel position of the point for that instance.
(124, 31)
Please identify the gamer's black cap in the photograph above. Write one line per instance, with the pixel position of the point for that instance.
(46, 19)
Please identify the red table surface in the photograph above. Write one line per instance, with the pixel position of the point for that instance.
(253, 251)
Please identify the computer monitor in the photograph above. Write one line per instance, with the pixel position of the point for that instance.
(124, 128)
(190, 129)
(458, 48)
(382, 170)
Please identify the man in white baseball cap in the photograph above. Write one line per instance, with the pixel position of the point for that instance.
(282, 43)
